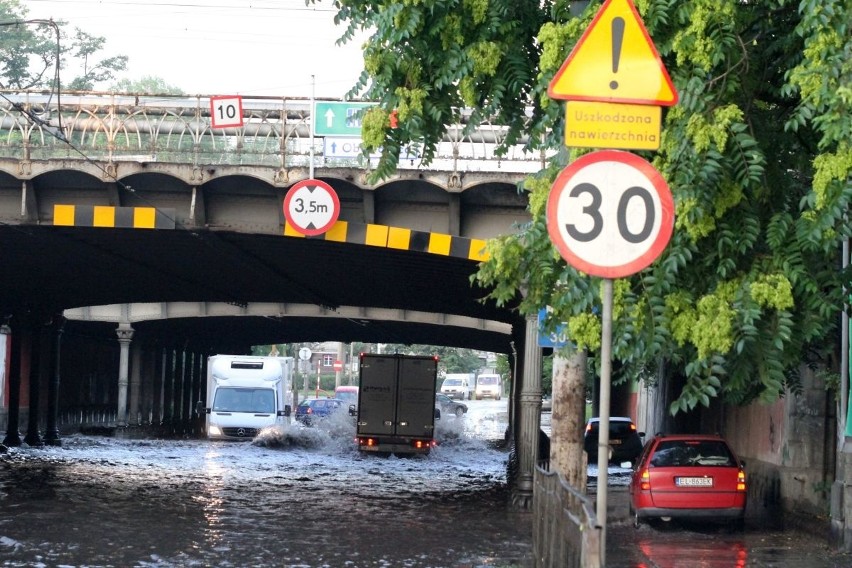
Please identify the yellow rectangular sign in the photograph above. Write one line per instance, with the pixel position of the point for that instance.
(612, 125)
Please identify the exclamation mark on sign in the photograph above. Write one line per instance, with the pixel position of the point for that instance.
(617, 38)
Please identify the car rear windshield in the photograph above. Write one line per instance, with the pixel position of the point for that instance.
(617, 429)
(669, 453)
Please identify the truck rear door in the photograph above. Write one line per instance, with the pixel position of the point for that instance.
(416, 402)
(376, 396)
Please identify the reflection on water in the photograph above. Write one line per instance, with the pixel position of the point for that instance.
(705, 553)
(295, 497)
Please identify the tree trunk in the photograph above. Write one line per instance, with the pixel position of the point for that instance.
(568, 419)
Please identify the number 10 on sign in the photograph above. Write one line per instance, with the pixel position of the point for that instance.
(610, 214)
(226, 112)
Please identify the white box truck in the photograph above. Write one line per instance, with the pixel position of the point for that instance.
(396, 403)
(245, 394)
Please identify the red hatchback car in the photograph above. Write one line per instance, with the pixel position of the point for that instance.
(688, 477)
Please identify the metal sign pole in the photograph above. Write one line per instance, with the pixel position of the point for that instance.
(313, 125)
(603, 425)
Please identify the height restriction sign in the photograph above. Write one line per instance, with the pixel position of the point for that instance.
(610, 214)
(311, 207)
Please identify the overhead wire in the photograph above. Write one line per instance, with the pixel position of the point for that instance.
(59, 134)
(197, 28)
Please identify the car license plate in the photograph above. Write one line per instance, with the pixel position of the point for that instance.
(694, 481)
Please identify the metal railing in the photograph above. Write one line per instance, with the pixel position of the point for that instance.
(565, 531)
(276, 132)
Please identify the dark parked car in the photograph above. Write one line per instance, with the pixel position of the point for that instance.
(688, 477)
(625, 443)
(311, 410)
(448, 405)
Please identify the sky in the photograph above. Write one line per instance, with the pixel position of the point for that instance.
(220, 47)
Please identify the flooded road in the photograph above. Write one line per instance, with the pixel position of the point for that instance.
(306, 498)
(299, 497)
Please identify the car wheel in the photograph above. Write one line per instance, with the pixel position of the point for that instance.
(634, 516)
(459, 412)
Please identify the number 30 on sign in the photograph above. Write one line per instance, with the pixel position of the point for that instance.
(610, 214)
(226, 112)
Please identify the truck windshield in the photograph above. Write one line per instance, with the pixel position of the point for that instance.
(486, 380)
(347, 396)
(452, 382)
(244, 399)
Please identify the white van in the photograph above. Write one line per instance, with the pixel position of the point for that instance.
(246, 394)
(458, 385)
(489, 385)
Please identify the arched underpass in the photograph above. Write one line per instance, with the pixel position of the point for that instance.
(48, 269)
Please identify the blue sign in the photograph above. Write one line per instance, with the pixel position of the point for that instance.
(556, 339)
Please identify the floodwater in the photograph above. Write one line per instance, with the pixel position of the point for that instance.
(306, 498)
(294, 497)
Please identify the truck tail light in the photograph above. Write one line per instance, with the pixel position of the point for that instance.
(366, 441)
(741, 484)
(645, 480)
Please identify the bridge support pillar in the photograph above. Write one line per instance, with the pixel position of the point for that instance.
(530, 416)
(33, 437)
(125, 336)
(13, 342)
(51, 434)
(157, 369)
(168, 389)
(135, 404)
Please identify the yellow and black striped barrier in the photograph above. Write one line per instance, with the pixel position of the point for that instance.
(113, 217)
(343, 232)
(400, 239)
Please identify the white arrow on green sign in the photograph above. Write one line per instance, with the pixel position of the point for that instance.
(338, 118)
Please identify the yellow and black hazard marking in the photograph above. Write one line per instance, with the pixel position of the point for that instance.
(113, 217)
(342, 231)
(401, 239)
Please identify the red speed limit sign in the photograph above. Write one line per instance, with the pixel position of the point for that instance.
(610, 214)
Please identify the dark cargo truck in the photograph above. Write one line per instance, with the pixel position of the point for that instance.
(396, 403)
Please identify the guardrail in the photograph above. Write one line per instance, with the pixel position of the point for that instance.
(276, 132)
(565, 532)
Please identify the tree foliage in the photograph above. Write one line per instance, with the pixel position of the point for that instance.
(758, 154)
(147, 85)
(29, 50)
(451, 359)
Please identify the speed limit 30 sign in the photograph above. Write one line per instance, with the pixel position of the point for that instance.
(610, 214)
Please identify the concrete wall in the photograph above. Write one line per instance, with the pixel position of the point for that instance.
(788, 448)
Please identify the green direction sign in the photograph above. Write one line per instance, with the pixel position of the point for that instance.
(338, 118)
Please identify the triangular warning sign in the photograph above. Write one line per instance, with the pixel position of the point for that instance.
(614, 61)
